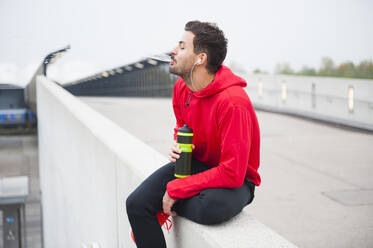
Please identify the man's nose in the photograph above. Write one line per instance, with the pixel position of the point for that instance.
(173, 51)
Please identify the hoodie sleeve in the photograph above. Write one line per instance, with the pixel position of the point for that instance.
(235, 137)
(177, 110)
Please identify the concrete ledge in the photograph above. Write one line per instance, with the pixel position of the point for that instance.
(88, 167)
(243, 231)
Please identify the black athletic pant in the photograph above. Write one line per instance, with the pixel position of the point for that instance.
(210, 206)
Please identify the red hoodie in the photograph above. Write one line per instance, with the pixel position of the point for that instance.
(226, 134)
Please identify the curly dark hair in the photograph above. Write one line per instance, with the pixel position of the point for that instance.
(209, 39)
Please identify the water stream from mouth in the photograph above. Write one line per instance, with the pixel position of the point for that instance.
(161, 57)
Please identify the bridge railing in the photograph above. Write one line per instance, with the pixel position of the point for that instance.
(346, 101)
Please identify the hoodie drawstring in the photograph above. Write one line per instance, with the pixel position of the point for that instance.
(189, 99)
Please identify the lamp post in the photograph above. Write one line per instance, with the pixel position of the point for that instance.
(52, 57)
(30, 89)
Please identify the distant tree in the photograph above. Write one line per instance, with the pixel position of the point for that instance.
(307, 71)
(327, 67)
(258, 71)
(283, 68)
(346, 69)
(365, 69)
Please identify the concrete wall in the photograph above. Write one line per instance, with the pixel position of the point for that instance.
(88, 167)
(316, 97)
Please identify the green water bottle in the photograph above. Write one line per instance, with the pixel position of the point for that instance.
(183, 165)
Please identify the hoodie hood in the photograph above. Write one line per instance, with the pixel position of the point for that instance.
(224, 78)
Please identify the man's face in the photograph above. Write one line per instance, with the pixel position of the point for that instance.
(183, 56)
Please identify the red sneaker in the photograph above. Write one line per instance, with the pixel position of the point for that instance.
(163, 219)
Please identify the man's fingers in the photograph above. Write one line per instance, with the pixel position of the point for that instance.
(167, 203)
(176, 149)
(175, 152)
(171, 159)
(175, 155)
(167, 210)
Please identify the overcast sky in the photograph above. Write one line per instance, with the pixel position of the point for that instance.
(110, 33)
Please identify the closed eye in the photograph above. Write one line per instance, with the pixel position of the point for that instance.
(181, 44)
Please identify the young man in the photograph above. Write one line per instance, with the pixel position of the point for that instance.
(210, 99)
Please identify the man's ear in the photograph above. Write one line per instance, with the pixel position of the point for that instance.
(202, 58)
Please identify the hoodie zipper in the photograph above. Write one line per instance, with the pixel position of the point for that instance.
(190, 96)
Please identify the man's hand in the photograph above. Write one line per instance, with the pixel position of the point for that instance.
(175, 152)
(168, 202)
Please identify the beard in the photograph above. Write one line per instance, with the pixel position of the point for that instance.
(182, 71)
(174, 70)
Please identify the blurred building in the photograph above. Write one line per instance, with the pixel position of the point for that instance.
(145, 78)
(13, 109)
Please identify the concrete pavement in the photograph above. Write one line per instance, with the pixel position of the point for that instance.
(317, 179)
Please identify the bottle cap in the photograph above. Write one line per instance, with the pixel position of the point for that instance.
(185, 129)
